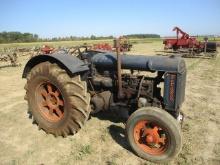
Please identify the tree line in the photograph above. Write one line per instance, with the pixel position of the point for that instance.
(9, 37)
(16, 37)
(143, 36)
(74, 38)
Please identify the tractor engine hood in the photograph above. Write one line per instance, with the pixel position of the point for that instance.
(140, 62)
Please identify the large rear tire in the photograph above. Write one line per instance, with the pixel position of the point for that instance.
(154, 134)
(58, 103)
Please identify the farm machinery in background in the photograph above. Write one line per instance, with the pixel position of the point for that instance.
(124, 43)
(9, 55)
(102, 47)
(62, 90)
(47, 49)
(189, 46)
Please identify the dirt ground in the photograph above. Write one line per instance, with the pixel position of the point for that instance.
(102, 140)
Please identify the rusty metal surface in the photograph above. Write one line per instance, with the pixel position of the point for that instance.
(50, 102)
(120, 93)
(148, 137)
(124, 43)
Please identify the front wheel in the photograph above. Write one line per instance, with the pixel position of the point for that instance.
(154, 134)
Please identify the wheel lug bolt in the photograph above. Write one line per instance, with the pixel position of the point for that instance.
(149, 139)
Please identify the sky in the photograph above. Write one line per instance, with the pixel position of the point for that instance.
(60, 18)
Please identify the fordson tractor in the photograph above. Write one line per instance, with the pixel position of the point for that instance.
(62, 90)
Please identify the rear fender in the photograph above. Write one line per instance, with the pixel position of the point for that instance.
(68, 62)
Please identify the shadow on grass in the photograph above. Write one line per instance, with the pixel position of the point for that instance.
(119, 115)
(119, 136)
(117, 133)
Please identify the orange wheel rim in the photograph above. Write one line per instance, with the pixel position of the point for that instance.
(50, 102)
(150, 137)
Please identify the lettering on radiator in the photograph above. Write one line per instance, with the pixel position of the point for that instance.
(172, 87)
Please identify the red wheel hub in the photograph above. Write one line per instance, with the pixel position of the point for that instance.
(150, 137)
(50, 102)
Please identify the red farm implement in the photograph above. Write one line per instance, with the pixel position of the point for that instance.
(47, 49)
(124, 44)
(103, 47)
(189, 46)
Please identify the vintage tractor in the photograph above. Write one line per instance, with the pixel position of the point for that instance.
(62, 90)
(189, 46)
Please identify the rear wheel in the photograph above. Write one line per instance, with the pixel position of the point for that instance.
(154, 134)
(59, 104)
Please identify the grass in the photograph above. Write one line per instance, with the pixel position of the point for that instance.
(113, 159)
(211, 39)
(83, 151)
(194, 64)
(73, 43)
(112, 162)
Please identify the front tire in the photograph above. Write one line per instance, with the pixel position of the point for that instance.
(59, 104)
(154, 134)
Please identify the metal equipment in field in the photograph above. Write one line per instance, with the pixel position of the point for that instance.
(62, 90)
(189, 46)
(10, 55)
(102, 47)
(47, 49)
(125, 44)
